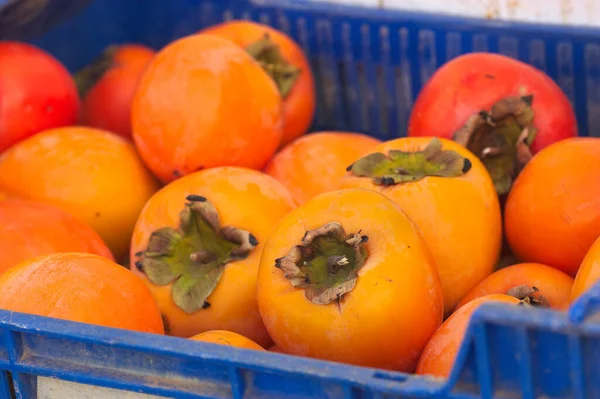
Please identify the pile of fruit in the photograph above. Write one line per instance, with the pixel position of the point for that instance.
(175, 192)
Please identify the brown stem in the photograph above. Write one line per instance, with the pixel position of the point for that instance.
(501, 138)
(326, 264)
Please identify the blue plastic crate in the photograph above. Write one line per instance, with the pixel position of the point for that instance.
(369, 65)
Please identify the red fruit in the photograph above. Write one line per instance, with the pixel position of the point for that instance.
(109, 84)
(36, 93)
(528, 110)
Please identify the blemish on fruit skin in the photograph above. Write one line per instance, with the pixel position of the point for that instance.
(176, 173)
(97, 214)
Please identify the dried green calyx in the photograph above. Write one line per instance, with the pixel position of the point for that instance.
(268, 55)
(193, 257)
(529, 296)
(87, 77)
(400, 166)
(326, 264)
(501, 138)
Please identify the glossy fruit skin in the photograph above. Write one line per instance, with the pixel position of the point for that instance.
(31, 229)
(245, 199)
(37, 93)
(300, 104)
(553, 284)
(204, 102)
(228, 338)
(107, 105)
(472, 82)
(440, 353)
(92, 174)
(80, 287)
(459, 217)
(314, 163)
(589, 272)
(377, 324)
(552, 214)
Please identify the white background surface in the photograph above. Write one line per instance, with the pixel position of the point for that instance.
(575, 12)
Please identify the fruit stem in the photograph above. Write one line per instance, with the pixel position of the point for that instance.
(326, 264)
(529, 295)
(401, 167)
(268, 54)
(501, 138)
(88, 76)
(193, 257)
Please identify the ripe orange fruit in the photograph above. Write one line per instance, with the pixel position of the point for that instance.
(37, 93)
(440, 353)
(588, 273)
(80, 287)
(197, 245)
(314, 163)
(204, 102)
(552, 213)
(285, 62)
(30, 229)
(92, 174)
(329, 285)
(107, 87)
(539, 284)
(228, 338)
(449, 195)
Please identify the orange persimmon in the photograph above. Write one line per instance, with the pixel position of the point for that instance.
(347, 277)
(314, 163)
(197, 245)
(440, 353)
(95, 175)
(29, 229)
(540, 284)
(204, 102)
(588, 273)
(284, 61)
(80, 287)
(552, 214)
(449, 195)
(228, 338)
(107, 87)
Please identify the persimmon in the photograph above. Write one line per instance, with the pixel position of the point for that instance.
(314, 163)
(450, 196)
(439, 355)
(539, 284)
(228, 338)
(285, 62)
(347, 277)
(80, 287)
(588, 273)
(197, 245)
(502, 109)
(552, 214)
(108, 84)
(30, 229)
(37, 93)
(95, 175)
(204, 102)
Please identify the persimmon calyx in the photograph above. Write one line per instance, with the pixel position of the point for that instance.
(326, 264)
(400, 166)
(268, 54)
(501, 138)
(193, 257)
(529, 295)
(88, 76)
